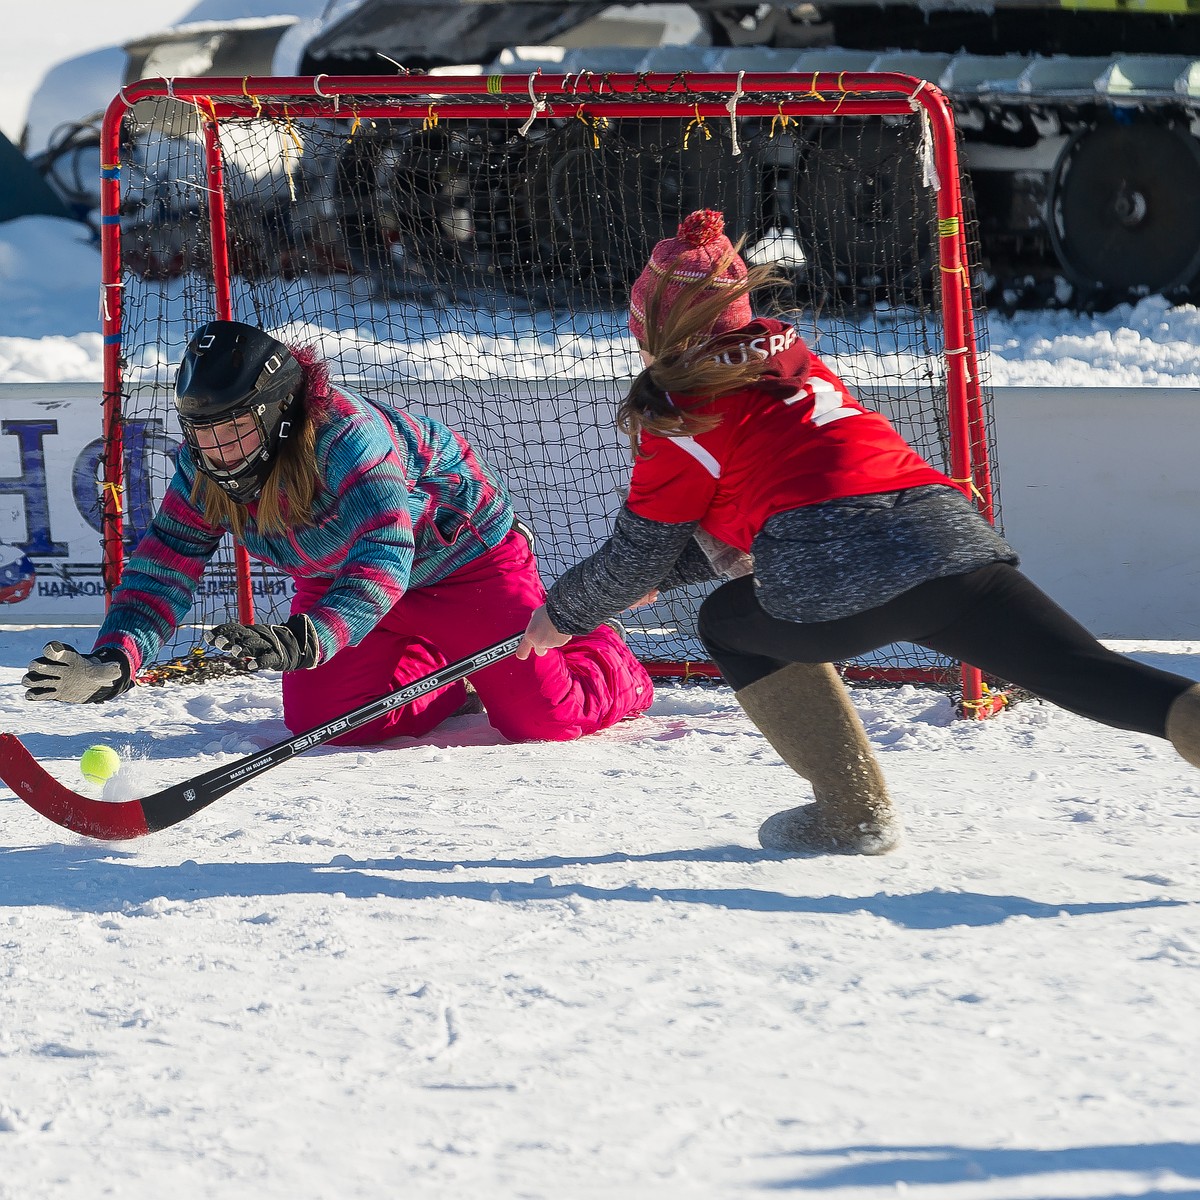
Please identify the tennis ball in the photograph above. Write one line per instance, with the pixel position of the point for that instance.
(98, 763)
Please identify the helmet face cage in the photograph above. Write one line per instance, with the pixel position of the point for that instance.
(234, 391)
(234, 451)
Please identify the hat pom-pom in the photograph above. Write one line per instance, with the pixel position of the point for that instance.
(702, 227)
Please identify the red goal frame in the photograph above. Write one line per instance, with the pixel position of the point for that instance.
(704, 97)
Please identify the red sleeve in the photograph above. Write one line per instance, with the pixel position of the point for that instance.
(674, 478)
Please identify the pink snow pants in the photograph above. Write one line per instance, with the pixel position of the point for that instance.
(591, 683)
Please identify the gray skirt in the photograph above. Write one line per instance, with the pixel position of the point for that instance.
(832, 560)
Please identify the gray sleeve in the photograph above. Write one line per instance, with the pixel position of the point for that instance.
(638, 556)
(692, 566)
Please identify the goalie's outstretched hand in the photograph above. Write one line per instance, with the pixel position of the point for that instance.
(292, 646)
(60, 672)
(540, 635)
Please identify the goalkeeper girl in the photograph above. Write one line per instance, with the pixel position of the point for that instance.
(742, 435)
(399, 538)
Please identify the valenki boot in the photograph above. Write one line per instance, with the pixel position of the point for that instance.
(804, 712)
(1183, 724)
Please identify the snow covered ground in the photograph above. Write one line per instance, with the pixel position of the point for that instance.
(457, 967)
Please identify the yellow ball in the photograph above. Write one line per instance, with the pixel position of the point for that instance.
(98, 763)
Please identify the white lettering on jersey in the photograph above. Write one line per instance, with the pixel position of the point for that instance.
(707, 461)
(827, 401)
(760, 347)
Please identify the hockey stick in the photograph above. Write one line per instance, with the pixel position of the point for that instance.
(135, 818)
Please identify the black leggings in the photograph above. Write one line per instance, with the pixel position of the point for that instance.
(993, 618)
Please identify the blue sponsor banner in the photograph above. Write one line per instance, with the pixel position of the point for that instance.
(51, 454)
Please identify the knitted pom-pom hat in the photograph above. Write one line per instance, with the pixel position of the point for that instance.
(698, 247)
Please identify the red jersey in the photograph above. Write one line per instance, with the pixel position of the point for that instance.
(795, 437)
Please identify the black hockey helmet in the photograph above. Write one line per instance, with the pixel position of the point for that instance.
(238, 382)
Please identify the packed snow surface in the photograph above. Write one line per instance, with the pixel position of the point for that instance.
(457, 966)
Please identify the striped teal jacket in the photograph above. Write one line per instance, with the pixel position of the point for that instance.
(405, 502)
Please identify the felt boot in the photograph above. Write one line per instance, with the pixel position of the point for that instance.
(1183, 724)
(804, 712)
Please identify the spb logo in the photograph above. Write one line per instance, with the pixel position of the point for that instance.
(16, 574)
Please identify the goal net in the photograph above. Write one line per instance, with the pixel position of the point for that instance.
(464, 245)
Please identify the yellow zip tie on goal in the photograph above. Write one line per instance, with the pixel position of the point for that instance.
(290, 130)
(258, 106)
(291, 133)
(987, 701)
(594, 125)
(699, 121)
(197, 101)
(782, 119)
(431, 119)
(969, 483)
(115, 493)
(843, 94)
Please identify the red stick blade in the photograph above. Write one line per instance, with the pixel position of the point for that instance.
(56, 802)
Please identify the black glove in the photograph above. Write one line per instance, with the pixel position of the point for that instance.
(62, 673)
(292, 646)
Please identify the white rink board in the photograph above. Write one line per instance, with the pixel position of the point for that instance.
(1098, 488)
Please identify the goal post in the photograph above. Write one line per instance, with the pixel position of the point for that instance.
(464, 244)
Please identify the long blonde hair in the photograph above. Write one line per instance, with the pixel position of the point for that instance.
(688, 360)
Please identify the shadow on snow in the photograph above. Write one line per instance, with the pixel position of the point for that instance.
(101, 878)
(899, 1166)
